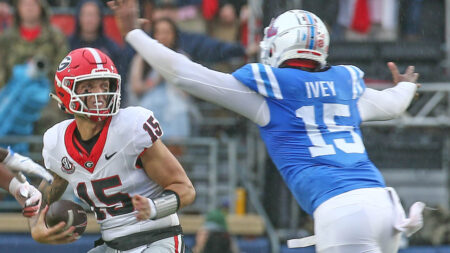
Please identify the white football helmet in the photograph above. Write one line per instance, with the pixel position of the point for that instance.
(295, 34)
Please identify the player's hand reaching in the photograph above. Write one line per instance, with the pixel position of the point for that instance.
(408, 76)
(142, 205)
(126, 13)
(53, 235)
(27, 196)
(17, 162)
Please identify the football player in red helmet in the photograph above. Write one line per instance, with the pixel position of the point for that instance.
(114, 160)
(73, 84)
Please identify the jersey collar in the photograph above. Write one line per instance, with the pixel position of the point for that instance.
(87, 161)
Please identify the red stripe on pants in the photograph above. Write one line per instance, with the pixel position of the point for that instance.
(176, 243)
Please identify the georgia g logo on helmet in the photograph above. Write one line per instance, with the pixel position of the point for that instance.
(64, 63)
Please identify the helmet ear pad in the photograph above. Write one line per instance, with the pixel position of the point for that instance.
(85, 64)
(295, 34)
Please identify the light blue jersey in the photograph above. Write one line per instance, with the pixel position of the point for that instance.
(313, 135)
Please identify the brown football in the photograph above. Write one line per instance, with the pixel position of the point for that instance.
(69, 212)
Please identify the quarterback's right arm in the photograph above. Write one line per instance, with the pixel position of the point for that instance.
(39, 230)
(164, 169)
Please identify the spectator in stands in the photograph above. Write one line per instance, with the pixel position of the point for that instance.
(226, 24)
(89, 32)
(369, 19)
(169, 104)
(32, 35)
(225, 27)
(198, 46)
(412, 17)
(185, 13)
(5, 13)
(214, 235)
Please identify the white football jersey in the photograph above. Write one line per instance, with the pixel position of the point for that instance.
(107, 178)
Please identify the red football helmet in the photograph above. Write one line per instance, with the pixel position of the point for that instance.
(84, 64)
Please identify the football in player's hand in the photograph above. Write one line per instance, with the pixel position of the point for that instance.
(69, 212)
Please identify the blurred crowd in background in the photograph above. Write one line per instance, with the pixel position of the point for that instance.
(36, 34)
(212, 32)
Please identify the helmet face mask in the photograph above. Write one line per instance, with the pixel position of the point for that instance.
(88, 64)
(104, 102)
(295, 34)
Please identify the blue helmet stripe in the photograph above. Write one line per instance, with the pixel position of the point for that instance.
(313, 35)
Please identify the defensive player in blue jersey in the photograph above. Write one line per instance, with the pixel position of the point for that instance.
(309, 114)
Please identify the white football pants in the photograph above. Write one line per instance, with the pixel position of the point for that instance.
(358, 221)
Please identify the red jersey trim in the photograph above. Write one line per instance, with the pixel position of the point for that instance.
(86, 161)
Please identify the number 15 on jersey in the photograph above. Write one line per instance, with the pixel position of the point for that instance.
(319, 146)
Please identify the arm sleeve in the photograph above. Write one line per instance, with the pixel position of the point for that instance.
(386, 104)
(213, 86)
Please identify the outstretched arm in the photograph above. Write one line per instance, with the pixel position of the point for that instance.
(213, 86)
(386, 104)
(389, 103)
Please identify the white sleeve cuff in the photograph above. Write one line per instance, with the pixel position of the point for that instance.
(152, 208)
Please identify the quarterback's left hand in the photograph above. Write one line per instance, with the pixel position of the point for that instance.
(17, 162)
(27, 196)
(142, 205)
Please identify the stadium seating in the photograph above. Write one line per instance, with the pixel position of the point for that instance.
(371, 57)
(425, 56)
